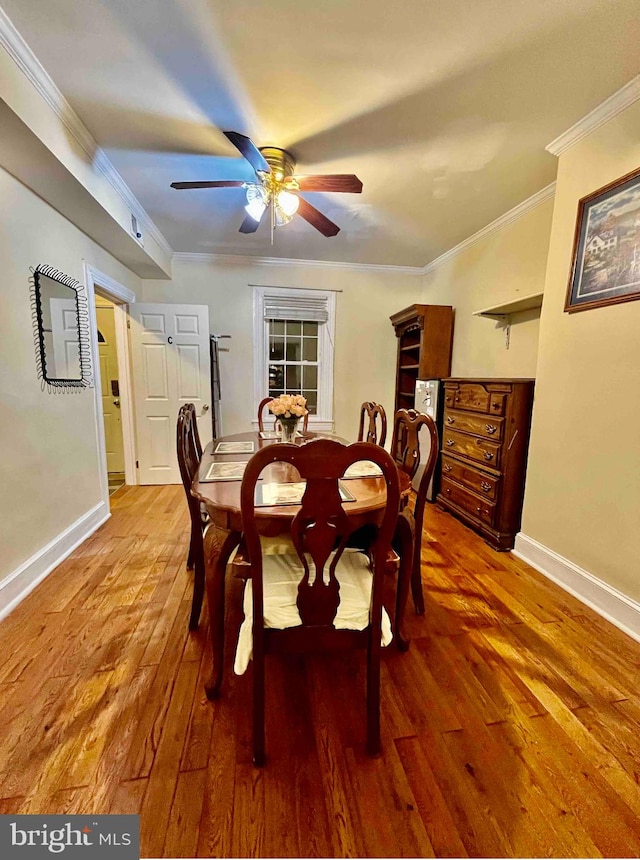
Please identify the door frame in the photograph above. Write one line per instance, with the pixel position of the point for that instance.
(98, 282)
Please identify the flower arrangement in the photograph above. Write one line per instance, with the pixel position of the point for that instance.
(288, 406)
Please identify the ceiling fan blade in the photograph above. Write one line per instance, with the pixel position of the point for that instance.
(331, 182)
(249, 225)
(316, 218)
(223, 183)
(250, 151)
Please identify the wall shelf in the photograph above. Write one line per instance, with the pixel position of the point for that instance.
(525, 303)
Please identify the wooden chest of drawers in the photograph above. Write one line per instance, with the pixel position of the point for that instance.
(484, 454)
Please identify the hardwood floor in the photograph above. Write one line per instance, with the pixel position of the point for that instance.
(511, 727)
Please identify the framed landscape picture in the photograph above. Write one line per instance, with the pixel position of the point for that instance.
(606, 248)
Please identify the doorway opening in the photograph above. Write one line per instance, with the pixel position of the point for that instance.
(110, 392)
(108, 301)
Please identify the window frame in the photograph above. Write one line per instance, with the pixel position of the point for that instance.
(323, 420)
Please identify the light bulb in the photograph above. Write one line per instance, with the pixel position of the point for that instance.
(288, 202)
(257, 199)
(256, 209)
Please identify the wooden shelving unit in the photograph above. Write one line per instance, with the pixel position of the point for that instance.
(425, 335)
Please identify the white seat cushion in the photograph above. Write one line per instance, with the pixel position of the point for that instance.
(281, 575)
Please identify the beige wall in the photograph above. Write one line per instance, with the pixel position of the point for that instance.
(365, 347)
(583, 486)
(504, 265)
(50, 473)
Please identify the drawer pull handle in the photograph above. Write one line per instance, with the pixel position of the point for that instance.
(488, 455)
(491, 429)
(486, 486)
(448, 491)
(450, 419)
(448, 468)
(479, 509)
(451, 442)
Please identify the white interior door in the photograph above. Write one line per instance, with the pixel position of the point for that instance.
(110, 392)
(171, 367)
(64, 334)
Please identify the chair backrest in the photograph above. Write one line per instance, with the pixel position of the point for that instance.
(405, 450)
(320, 526)
(261, 408)
(405, 442)
(372, 413)
(188, 448)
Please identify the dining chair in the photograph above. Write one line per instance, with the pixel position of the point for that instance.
(261, 408)
(405, 450)
(323, 595)
(189, 452)
(373, 412)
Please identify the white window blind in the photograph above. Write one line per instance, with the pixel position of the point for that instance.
(301, 308)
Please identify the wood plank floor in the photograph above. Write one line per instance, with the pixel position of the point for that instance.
(511, 728)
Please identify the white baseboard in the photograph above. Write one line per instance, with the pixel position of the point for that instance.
(607, 601)
(15, 587)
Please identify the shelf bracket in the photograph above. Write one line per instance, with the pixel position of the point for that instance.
(504, 322)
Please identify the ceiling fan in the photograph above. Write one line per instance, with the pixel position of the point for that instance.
(276, 185)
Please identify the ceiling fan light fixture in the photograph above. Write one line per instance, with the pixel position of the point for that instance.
(288, 202)
(257, 200)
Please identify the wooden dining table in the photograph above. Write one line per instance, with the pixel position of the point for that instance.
(221, 498)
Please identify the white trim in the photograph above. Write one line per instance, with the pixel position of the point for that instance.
(18, 584)
(117, 291)
(121, 321)
(615, 104)
(508, 218)
(326, 340)
(120, 295)
(607, 601)
(187, 257)
(43, 84)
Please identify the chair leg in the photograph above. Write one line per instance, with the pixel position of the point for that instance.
(373, 697)
(416, 582)
(403, 541)
(218, 552)
(190, 559)
(198, 592)
(259, 756)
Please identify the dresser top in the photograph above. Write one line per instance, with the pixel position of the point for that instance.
(484, 380)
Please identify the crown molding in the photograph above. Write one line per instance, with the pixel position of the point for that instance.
(39, 78)
(508, 218)
(188, 257)
(615, 104)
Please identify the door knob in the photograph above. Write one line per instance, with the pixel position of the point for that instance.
(116, 402)
(205, 408)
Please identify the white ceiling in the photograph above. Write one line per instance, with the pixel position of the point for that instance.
(443, 108)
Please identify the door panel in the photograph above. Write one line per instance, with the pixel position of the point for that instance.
(171, 366)
(188, 372)
(159, 441)
(156, 375)
(187, 324)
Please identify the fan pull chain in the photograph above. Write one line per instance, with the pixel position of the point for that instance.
(273, 218)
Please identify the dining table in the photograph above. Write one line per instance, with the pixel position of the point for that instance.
(217, 487)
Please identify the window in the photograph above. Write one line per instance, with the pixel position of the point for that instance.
(294, 348)
(293, 360)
